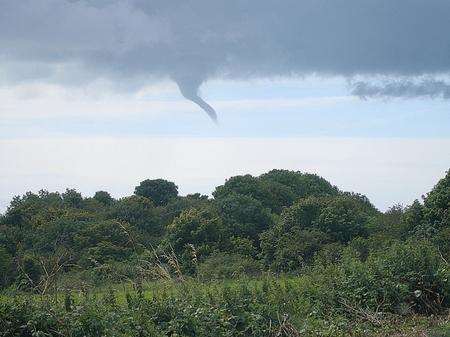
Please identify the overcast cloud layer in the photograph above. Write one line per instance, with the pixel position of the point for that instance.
(134, 42)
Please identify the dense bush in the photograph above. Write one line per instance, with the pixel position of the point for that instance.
(408, 277)
(352, 297)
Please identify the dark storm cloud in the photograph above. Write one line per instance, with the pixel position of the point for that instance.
(403, 88)
(190, 41)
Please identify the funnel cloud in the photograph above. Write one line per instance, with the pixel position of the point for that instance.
(189, 89)
(135, 42)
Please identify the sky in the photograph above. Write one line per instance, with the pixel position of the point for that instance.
(99, 95)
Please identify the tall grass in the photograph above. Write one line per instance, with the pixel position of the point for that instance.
(350, 298)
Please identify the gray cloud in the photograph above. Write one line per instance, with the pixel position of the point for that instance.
(403, 88)
(133, 42)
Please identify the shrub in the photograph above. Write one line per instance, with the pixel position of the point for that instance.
(407, 277)
(412, 274)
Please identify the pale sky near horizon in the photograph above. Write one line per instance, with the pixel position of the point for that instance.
(99, 94)
(54, 138)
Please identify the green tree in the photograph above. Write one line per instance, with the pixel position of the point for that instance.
(103, 197)
(342, 219)
(277, 188)
(159, 190)
(302, 214)
(6, 265)
(437, 204)
(244, 185)
(309, 224)
(243, 216)
(387, 225)
(72, 198)
(33, 210)
(30, 270)
(177, 205)
(278, 195)
(302, 184)
(202, 228)
(442, 241)
(413, 219)
(104, 241)
(139, 212)
(292, 250)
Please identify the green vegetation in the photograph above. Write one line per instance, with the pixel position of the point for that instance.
(282, 254)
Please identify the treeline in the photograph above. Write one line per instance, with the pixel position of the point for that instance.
(279, 222)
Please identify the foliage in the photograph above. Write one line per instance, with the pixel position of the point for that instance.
(437, 204)
(244, 216)
(179, 204)
(277, 188)
(160, 191)
(104, 241)
(291, 250)
(353, 297)
(302, 184)
(407, 277)
(139, 212)
(103, 197)
(6, 265)
(72, 198)
(201, 228)
(343, 219)
(309, 224)
(349, 255)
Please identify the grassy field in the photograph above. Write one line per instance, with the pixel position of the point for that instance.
(268, 306)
